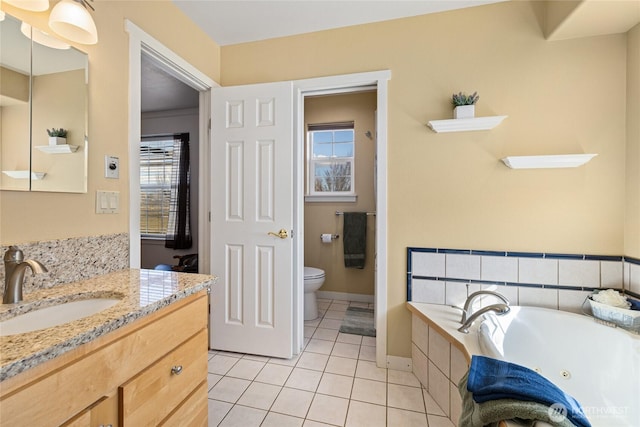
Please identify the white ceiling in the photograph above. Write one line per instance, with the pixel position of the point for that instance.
(230, 22)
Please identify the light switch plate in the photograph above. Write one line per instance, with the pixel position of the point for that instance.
(111, 167)
(107, 202)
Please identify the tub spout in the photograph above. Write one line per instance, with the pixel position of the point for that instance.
(499, 309)
(473, 296)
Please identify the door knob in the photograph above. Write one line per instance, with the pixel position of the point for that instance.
(281, 234)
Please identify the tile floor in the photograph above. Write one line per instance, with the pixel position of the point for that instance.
(333, 382)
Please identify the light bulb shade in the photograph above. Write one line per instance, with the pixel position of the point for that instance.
(73, 21)
(32, 5)
(42, 38)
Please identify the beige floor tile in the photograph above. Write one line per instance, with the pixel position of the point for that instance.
(212, 379)
(370, 371)
(359, 304)
(369, 391)
(405, 397)
(246, 369)
(256, 357)
(217, 411)
(287, 362)
(280, 420)
(370, 341)
(335, 385)
(314, 361)
(367, 353)
(311, 423)
(341, 349)
(220, 364)
(341, 366)
(400, 417)
(259, 395)
(328, 409)
(436, 421)
(274, 374)
(309, 331)
(325, 334)
(333, 314)
(362, 414)
(313, 323)
(403, 378)
(229, 389)
(230, 354)
(319, 346)
(330, 324)
(349, 338)
(293, 402)
(242, 416)
(304, 379)
(339, 306)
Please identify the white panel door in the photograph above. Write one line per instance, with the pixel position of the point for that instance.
(252, 201)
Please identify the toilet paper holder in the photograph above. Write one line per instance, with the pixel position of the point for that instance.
(333, 236)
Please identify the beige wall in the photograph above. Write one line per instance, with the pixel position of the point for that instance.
(632, 214)
(320, 217)
(73, 215)
(451, 190)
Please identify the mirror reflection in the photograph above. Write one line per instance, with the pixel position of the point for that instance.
(56, 88)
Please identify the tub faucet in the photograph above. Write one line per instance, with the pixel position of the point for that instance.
(499, 309)
(473, 296)
(14, 270)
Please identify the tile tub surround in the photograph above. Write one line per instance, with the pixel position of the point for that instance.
(142, 291)
(440, 357)
(560, 281)
(71, 260)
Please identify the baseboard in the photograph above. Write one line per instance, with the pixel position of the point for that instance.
(344, 296)
(399, 363)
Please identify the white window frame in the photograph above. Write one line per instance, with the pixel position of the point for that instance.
(329, 196)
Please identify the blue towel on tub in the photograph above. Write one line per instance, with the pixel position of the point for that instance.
(492, 379)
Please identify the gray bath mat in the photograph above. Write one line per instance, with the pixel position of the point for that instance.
(358, 321)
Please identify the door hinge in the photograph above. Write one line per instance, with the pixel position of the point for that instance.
(209, 124)
(209, 216)
(292, 234)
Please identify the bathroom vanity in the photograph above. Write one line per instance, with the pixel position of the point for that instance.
(142, 361)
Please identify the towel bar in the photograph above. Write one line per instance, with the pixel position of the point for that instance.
(368, 213)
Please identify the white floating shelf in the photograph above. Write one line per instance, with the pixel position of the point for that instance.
(58, 149)
(547, 162)
(463, 125)
(24, 174)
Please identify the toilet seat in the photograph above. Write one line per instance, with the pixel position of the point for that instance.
(313, 273)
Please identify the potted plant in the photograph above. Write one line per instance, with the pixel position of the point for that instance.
(57, 136)
(464, 105)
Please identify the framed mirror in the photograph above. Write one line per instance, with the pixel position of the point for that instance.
(54, 78)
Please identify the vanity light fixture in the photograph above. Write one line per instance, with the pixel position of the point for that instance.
(42, 38)
(71, 20)
(32, 5)
(2, 15)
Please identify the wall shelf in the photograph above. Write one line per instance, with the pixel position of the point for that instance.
(58, 149)
(463, 125)
(24, 174)
(547, 162)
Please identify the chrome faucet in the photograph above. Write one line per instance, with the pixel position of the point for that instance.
(500, 309)
(14, 269)
(467, 319)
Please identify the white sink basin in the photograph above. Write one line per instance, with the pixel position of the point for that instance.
(54, 315)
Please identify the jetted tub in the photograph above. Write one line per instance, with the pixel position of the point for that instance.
(597, 364)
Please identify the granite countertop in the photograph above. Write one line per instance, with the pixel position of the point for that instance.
(142, 292)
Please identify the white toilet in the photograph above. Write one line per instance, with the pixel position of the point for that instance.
(313, 279)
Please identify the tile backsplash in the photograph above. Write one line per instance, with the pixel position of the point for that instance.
(70, 260)
(559, 281)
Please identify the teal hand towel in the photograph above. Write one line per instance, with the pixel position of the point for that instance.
(355, 239)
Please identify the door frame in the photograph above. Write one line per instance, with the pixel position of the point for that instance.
(347, 83)
(170, 62)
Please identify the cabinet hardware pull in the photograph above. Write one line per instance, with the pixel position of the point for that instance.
(176, 370)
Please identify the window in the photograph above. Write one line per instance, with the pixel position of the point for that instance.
(156, 164)
(331, 149)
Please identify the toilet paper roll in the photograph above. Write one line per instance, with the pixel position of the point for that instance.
(326, 238)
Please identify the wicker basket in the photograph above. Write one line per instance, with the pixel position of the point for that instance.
(625, 318)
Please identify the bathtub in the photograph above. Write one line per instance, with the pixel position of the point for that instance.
(596, 364)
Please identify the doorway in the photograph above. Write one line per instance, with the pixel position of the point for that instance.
(170, 63)
(340, 173)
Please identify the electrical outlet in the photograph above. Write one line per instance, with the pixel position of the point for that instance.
(111, 167)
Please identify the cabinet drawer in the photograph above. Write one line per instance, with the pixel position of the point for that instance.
(150, 396)
(194, 412)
